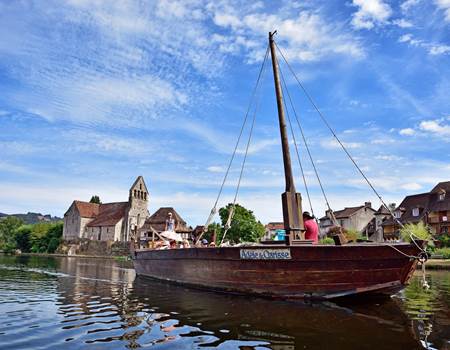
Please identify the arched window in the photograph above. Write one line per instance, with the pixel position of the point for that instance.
(145, 195)
(135, 193)
(140, 186)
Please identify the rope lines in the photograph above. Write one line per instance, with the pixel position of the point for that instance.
(252, 98)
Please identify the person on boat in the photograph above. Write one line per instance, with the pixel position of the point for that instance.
(311, 228)
(170, 223)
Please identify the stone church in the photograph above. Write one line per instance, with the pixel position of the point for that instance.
(109, 221)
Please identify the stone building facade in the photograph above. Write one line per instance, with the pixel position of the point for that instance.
(355, 218)
(109, 221)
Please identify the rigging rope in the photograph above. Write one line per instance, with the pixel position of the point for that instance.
(295, 144)
(233, 207)
(411, 234)
(252, 96)
(334, 133)
(333, 218)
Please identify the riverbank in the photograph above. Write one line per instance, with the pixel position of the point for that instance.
(436, 264)
(117, 258)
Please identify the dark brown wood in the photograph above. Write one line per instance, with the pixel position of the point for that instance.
(314, 271)
(290, 199)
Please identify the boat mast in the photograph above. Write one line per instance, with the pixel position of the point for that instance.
(290, 199)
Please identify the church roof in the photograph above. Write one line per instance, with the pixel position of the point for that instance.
(109, 214)
(86, 209)
(158, 220)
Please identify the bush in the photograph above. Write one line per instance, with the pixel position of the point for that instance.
(443, 240)
(445, 252)
(327, 240)
(418, 231)
(352, 234)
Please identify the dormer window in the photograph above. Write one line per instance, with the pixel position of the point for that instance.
(415, 212)
(442, 195)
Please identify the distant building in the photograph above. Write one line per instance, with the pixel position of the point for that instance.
(432, 208)
(374, 229)
(272, 229)
(157, 222)
(356, 218)
(109, 221)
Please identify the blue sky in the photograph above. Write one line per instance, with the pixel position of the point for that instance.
(95, 93)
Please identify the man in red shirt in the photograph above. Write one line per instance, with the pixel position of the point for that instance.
(311, 228)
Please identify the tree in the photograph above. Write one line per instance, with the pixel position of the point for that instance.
(95, 199)
(22, 237)
(8, 227)
(244, 226)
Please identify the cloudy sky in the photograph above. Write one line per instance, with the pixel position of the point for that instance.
(95, 93)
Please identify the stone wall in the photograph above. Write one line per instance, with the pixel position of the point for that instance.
(93, 248)
(71, 228)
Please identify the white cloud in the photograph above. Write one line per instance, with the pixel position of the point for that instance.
(216, 169)
(437, 127)
(408, 4)
(402, 23)
(333, 144)
(444, 5)
(411, 186)
(439, 49)
(432, 48)
(304, 35)
(370, 13)
(407, 132)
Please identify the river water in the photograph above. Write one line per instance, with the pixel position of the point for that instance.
(75, 303)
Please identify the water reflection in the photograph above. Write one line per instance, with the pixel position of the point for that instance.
(76, 303)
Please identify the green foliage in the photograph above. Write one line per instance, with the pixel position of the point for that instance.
(43, 237)
(445, 252)
(22, 237)
(8, 227)
(209, 234)
(244, 226)
(95, 199)
(46, 237)
(327, 240)
(444, 240)
(419, 231)
(352, 234)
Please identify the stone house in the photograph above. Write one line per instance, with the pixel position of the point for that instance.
(356, 218)
(271, 229)
(109, 221)
(432, 208)
(157, 222)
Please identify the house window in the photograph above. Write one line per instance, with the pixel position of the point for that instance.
(441, 196)
(397, 214)
(341, 223)
(145, 195)
(415, 212)
(135, 193)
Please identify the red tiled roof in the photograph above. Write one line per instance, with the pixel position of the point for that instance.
(109, 214)
(86, 209)
(275, 226)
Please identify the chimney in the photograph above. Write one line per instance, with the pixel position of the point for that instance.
(368, 204)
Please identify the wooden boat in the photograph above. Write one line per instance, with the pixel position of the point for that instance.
(292, 270)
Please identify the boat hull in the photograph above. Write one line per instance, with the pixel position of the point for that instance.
(294, 272)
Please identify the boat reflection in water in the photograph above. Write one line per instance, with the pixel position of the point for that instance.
(77, 303)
